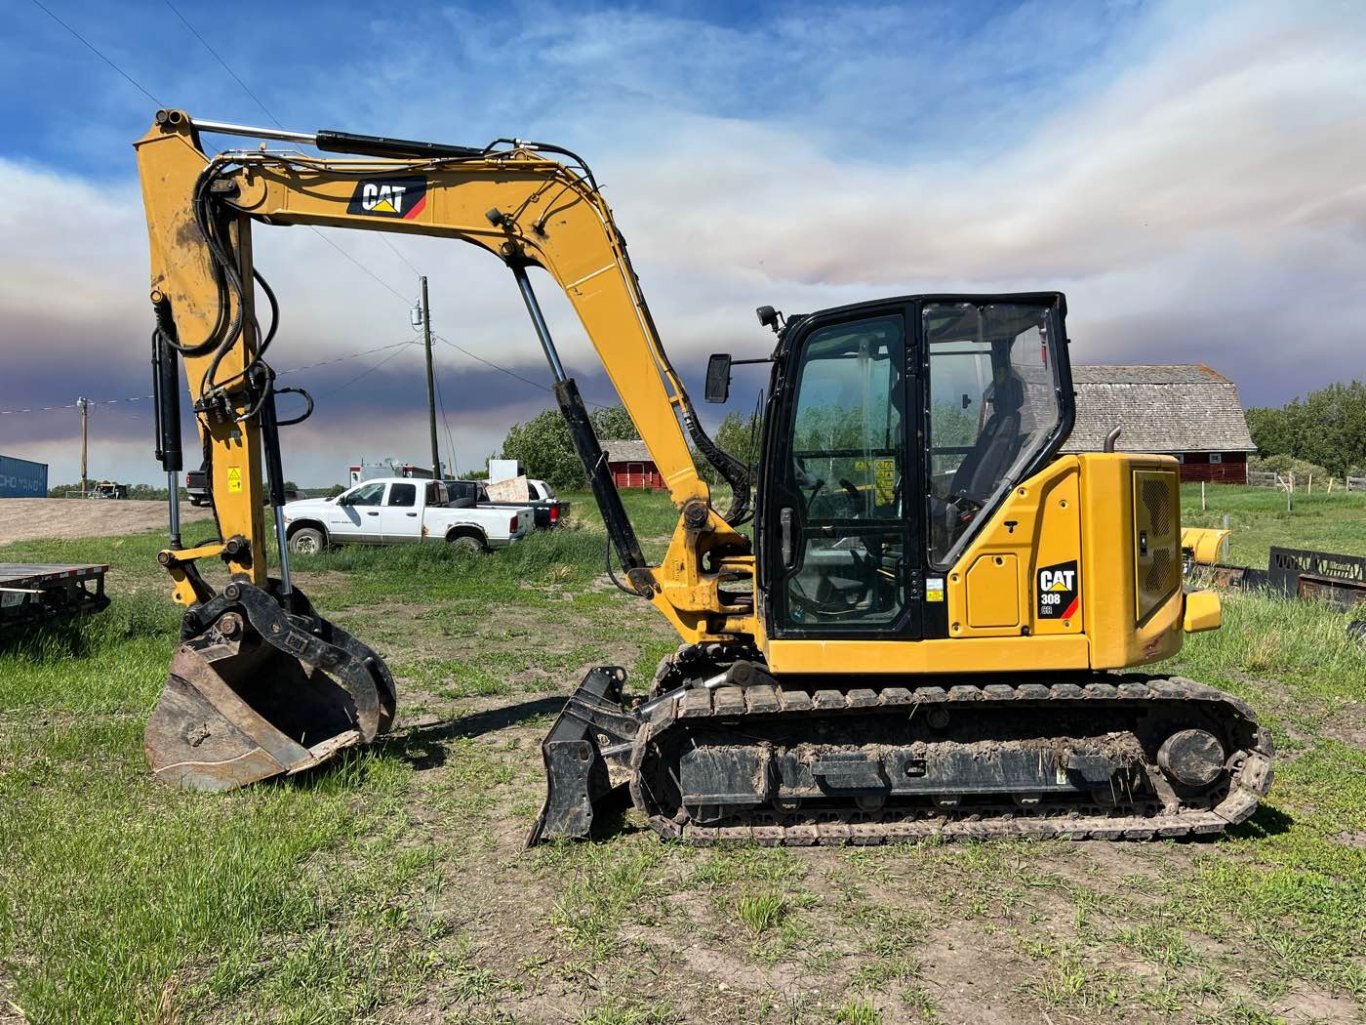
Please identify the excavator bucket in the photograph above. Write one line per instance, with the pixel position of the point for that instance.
(256, 691)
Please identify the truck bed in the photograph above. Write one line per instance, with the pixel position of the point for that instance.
(31, 592)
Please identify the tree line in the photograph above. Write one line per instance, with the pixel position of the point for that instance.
(1327, 428)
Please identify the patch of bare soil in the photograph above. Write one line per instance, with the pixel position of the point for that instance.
(972, 976)
(10, 1012)
(28, 519)
(1306, 1006)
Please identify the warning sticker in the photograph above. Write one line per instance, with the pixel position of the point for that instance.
(884, 478)
(1059, 591)
(934, 589)
(234, 478)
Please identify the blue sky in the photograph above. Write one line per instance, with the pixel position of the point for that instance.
(1180, 169)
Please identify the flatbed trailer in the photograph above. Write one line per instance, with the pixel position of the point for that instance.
(32, 593)
(1339, 580)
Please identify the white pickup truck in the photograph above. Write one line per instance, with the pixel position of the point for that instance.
(398, 510)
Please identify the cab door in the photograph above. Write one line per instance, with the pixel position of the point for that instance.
(841, 512)
(400, 517)
(355, 516)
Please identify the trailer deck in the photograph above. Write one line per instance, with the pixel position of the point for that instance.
(32, 593)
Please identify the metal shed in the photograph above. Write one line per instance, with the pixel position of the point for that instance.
(1182, 409)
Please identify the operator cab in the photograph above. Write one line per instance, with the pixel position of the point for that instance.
(893, 431)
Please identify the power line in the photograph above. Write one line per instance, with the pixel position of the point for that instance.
(394, 249)
(363, 374)
(99, 53)
(343, 359)
(74, 405)
(245, 88)
(407, 300)
(366, 270)
(450, 439)
(490, 363)
(510, 373)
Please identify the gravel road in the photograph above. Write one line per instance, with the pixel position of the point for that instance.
(24, 519)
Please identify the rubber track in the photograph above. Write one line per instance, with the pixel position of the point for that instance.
(1250, 781)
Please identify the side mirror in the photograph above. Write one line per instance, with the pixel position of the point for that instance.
(344, 498)
(718, 377)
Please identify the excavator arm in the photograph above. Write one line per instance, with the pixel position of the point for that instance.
(511, 199)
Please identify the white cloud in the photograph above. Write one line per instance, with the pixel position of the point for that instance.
(1194, 185)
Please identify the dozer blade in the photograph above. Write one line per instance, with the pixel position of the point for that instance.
(592, 729)
(255, 692)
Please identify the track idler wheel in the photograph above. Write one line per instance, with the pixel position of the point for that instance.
(257, 691)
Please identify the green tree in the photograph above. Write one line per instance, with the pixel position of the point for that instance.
(739, 435)
(1327, 428)
(1275, 432)
(613, 423)
(544, 448)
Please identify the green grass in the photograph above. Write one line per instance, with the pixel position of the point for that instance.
(1258, 518)
(858, 1012)
(761, 912)
(393, 886)
(1270, 638)
(606, 887)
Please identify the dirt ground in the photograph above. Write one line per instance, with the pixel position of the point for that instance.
(26, 519)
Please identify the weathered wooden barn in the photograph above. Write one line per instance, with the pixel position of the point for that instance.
(1185, 410)
(631, 465)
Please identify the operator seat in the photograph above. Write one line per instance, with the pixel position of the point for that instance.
(997, 446)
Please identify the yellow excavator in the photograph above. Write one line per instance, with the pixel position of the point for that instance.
(927, 635)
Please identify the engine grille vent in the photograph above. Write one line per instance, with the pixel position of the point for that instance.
(1157, 540)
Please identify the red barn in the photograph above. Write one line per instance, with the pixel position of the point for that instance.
(1184, 410)
(631, 465)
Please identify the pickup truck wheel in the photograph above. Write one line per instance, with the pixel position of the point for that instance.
(307, 541)
(467, 545)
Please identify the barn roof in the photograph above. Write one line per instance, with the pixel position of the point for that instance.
(626, 452)
(1161, 408)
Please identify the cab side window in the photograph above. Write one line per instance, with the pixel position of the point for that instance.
(369, 494)
(403, 495)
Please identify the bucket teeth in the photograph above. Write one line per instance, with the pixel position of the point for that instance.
(259, 693)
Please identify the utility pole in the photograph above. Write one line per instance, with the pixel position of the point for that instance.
(426, 314)
(83, 404)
